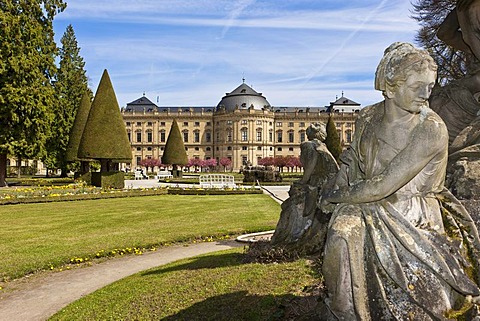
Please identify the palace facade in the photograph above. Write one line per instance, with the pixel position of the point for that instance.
(243, 127)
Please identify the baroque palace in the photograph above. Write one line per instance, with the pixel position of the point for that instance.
(243, 127)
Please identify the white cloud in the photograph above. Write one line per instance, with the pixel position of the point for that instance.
(192, 52)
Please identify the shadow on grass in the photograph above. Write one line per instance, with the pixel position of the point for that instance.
(242, 306)
(202, 262)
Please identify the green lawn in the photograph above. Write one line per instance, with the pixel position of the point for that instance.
(38, 236)
(215, 286)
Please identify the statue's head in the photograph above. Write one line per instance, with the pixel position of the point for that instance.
(317, 131)
(398, 61)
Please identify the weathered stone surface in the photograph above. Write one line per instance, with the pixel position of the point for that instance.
(463, 178)
(399, 245)
(302, 226)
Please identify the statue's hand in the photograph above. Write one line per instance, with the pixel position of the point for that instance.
(324, 205)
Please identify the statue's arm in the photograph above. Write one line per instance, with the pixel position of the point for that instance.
(449, 32)
(429, 139)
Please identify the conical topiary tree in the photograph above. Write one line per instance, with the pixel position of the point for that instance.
(105, 136)
(174, 153)
(332, 141)
(77, 131)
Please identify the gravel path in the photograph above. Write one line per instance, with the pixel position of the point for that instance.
(40, 297)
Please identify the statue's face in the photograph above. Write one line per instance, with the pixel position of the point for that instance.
(412, 94)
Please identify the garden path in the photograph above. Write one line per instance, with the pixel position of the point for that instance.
(39, 297)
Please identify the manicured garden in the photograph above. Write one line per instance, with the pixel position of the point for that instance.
(218, 286)
(52, 235)
(60, 235)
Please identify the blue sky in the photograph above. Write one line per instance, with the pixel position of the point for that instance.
(191, 52)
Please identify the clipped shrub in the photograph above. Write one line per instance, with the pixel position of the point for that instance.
(77, 130)
(114, 180)
(83, 176)
(105, 136)
(174, 153)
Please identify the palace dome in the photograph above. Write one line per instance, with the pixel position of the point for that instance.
(243, 97)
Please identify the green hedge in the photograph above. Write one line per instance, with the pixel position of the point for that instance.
(81, 197)
(108, 179)
(212, 191)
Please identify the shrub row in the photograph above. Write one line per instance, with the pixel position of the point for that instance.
(81, 197)
(212, 191)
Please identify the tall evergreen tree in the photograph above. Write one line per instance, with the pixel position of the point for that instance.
(70, 85)
(27, 64)
(77, 131)
(430, 14)
(174, 153)
(333, 140)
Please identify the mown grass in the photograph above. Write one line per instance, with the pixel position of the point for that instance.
(216, 286)
(42, 236)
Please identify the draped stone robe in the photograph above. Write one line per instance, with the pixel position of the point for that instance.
(406, 257)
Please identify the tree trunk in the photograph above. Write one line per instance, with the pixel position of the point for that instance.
(84, 166)
(105, 165)
(19, 167)
(3, 169)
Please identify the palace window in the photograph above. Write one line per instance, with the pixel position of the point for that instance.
(244, 134)
(291, 136)
(208, 137)
(279, 136)
(196, 136)
(139, 137)
(259, 135)
(348, 133)
(185, 136)
(162, 136)
(149, 137)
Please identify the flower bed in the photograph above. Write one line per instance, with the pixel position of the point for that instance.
(212, 191)
(70, 192)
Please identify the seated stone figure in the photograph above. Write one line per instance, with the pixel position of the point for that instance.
(399, 245)
(299, 227)
(457, 103)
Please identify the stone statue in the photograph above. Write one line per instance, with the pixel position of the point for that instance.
(399, 245)
(299, 227)
(457, 102)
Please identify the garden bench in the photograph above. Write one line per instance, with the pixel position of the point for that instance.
(138, 175)
(217, 180)
(163, 174)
